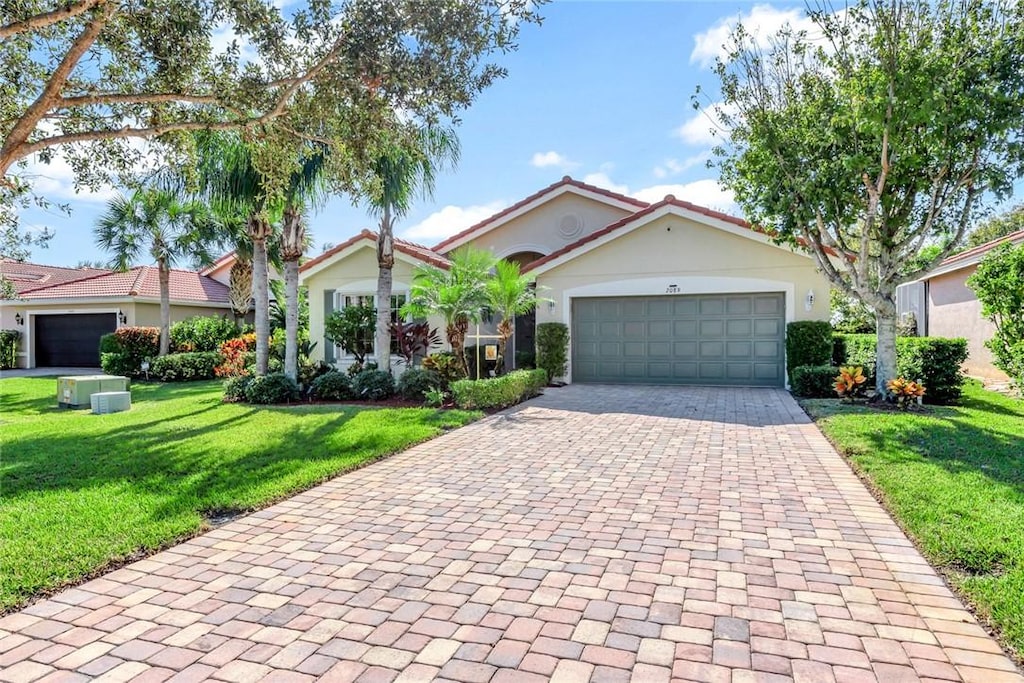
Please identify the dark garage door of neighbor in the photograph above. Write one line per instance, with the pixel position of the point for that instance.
(716, 339)
(71, 340)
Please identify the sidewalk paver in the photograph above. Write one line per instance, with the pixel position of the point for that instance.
(594, 534)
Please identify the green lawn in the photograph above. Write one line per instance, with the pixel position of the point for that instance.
(79, 492)
(954, 477)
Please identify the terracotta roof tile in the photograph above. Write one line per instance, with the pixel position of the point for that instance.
(141, 281)
(28, 276)
(417, 251)
(566, 180)
(983, 248)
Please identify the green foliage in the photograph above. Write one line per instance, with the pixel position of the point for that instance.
(999, 285)
(9, 349)
(117, 363)
(185, 367)
(310, 371)
(234, 388)
(332, 386)
(849, 314)
(373, 385)
(109, 343)
(446, 366)
(814, 381)
(352, 328)
(274, 387)
(499, 392)
(434, 397)
(934, 361)
(808, 342)
(202, 333)
(996, 227)
(552, 348)
(129, 347)
(526, 359)
(415, 382)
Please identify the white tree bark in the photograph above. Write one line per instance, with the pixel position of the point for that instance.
(885, 362)
(262, 308)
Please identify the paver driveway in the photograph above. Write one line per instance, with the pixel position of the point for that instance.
(597, 533)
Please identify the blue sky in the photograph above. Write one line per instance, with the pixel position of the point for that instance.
(601, 91)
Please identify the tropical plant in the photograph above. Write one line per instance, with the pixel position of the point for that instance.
(457, 294)
(240, 286)
(509, 293)
(403, 170)
(850, 382)
(351, 328)
(999, 285)
(413, 340)
(904, 392)
(874, 133)
(166, 226)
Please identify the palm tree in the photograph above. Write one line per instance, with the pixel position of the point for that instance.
(509, 293)
(163, 224)
(402, 172)
(458, 294)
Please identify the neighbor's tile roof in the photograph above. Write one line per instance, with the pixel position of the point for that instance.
(27, 276)
(141, 281)
(566, 180)
(974, 254)
(417, 251)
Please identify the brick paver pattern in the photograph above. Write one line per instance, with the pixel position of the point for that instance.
(596, 533)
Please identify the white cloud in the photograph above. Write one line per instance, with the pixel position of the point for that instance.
(705, 127)
(450, 220)
(671, 167)
(602, 180)
(705, 192)
(761, 22)
(56, 181)
(552, 158)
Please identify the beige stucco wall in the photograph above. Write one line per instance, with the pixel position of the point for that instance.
(147, 314)
(354, 274)
(954, 311)
(538, 229)
(676, 255)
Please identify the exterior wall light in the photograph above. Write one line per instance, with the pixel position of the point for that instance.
(121, 317)
(19, 319)
(809, 301)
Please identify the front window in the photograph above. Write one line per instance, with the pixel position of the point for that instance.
(361, 299)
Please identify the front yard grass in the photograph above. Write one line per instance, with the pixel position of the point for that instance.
(81, 492)
(954, 478)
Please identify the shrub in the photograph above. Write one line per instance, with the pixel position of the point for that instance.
(933, 361)
(202, 333)
(499, 392)
(235, 356)
(119, 364)
(9, 349)
(447, 367)
(122, 352)
(109, 343)
(526, 359)
(851, 382)
(814, 381)
(415, 382)
(373, 385)
(352, 328)
(310, 371)
(413, 340)
(273, 388)
(552, 348)
(999, 284)
(808, 342)
(234, 388)
(332, 386)
(904, 392)
(184, 367)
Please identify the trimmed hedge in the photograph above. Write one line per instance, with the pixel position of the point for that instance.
(415, 382)
(9, 349)
(808, 342)
(124, 353)
(332, 386)
(373, 385)
(234, 388)
(202, 333)
(552, 348)
(499, 392)
(184, 367)
(814, 381)
(934, 361)
(273, 388)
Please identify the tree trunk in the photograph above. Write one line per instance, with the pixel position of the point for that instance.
(885, 364)
(262, 306)
(291, 319)
(505, 333)
(386, 263)
(165, 307)
(457, 338)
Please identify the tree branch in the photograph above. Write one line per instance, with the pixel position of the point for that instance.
(47, 18)
(132, 98)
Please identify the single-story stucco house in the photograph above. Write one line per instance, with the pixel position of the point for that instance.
(946, 307)
(663, 293)
(61, 313)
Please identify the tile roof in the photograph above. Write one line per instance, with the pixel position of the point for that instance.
(27, 276)
(971, 254)
(417, 251)
(141, 281)
(565, 181)
(218, 263)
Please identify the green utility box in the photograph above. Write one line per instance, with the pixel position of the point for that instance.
(74, 392)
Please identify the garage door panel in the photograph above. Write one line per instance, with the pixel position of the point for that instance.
(71, 340)
(680, 339)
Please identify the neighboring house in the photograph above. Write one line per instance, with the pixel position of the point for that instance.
(946, 307)
(62, 312)
(664, 293)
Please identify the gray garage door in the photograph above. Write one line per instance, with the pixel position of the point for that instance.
(735, 339)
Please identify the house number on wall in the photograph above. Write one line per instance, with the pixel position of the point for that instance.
(672, 289)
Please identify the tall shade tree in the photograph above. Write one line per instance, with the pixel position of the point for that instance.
(509, 293)
(402, 172)
(457, 294)
(874, 134)
(163, 226)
